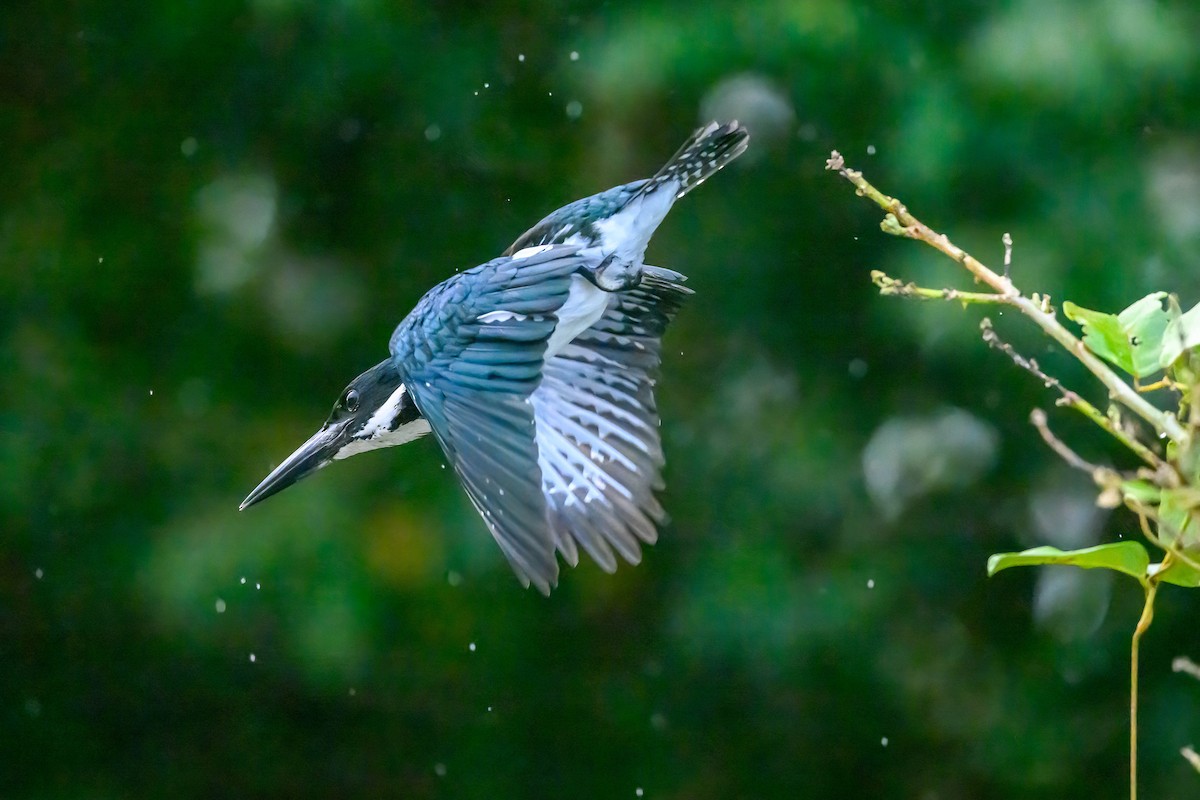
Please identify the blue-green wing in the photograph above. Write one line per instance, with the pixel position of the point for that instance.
(471, 354)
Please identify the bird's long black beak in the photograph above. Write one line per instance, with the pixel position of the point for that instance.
(308, 458)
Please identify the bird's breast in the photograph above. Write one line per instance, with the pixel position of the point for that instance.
(585, 305)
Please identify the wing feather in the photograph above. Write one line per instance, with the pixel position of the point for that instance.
(471, 375)
(557, 454)
(597, 426)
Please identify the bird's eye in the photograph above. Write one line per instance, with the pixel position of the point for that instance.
(350, 401)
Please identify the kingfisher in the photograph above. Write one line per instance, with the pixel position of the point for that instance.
(536, 373)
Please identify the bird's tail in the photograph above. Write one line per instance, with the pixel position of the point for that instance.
(705, 152)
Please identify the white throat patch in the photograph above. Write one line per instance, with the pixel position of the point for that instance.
(376, 434)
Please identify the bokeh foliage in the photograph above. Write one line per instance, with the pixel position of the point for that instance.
(214, 213)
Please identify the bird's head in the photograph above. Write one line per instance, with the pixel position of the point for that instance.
(374, 411)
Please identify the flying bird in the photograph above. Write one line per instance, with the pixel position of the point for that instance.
(535, 372)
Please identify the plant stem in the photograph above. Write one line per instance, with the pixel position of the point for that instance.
(897, 288)
(1091, 412)
(1069, 398)
(1151, 587)
(901, 223)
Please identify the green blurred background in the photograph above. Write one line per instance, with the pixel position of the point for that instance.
(212, 214)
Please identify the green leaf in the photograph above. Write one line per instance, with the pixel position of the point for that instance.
(1144, 323)
(1143, 491)
(1182, 334)
(1133, 339)
(1179, 574)
(1128, 557)
(1102, 335)
(1177, 515)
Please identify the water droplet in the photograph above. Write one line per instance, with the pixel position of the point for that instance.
(520, 56)
(453, 578)
(870, 149)
(353, 691)
(471, 647)
(243, 579)
(253, 658)
(870, 583)
(574, 109)
(883, 741)
(257, 585)
(574, 55)
(439, 769)
(638, 791)
(189, 146)
(434, 131)
(37, 573)
(220, 604)
(152, 393)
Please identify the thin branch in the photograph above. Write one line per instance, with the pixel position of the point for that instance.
(1151, 588)
(889, 286)
(1007, 240)
(1104, 421)
(1038, 418)
(900, 222)
(1192, 757)
(1187, 666)
(1172, 550)
(993, 340)
(1069, 398)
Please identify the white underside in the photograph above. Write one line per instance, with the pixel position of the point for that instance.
(627, 232)
(585, 305)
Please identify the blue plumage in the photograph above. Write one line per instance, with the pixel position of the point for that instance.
(535, 372)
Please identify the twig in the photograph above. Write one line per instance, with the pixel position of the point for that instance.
(891, 287)
(1192, 757)
(1187, 666)
(1151, 588)
(993, 340)
(900, 222)
(1007, 240)
(1172, 550)
(1069, 398)
(1038, 418)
